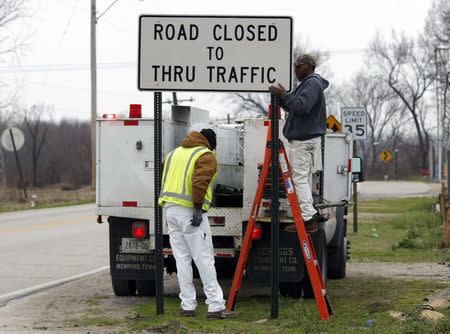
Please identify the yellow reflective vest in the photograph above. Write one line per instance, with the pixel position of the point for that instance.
(177, 177)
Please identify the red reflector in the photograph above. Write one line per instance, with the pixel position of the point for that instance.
(129, 203)
(110, 116)
(135, 111)
(131, 123)
(257, 232)
(349, 165)
(266, 123)
(224, 255)
(216, 221)
(139, 230)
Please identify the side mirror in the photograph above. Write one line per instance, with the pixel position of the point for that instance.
(357, 170)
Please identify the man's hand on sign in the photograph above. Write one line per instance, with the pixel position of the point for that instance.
(277, 90)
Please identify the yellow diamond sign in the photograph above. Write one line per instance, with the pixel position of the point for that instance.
(333, 124)
(385, 155)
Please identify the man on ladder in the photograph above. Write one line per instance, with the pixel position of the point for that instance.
(304, 127)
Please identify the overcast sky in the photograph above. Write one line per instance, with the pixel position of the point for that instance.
(55, 69)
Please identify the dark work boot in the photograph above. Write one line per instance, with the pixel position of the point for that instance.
(187, 313)
(222, 314)
(312, 225)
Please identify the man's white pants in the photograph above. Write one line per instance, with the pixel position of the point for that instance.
(193, 243)
(305, 157)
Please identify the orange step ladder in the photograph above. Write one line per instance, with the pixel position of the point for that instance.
(307, 248)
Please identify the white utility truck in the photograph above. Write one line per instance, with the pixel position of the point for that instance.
(125, 194)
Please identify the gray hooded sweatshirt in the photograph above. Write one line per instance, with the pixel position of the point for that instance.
(306, 109)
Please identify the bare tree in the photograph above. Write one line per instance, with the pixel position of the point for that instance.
(37, 122)
(437, 32)
(368, 91)
(437, 25)
(407, 67)
(10, 11)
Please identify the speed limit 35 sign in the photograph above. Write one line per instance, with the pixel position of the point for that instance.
(354, 121)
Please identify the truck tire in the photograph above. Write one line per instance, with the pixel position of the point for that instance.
(320, 247)
(123, 287)
(146, 288)
(337, 250)
(291, 289)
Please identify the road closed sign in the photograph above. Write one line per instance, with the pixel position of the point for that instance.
(354, 121)
(214, 53)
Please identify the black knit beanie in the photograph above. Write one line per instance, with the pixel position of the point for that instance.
(211, 136)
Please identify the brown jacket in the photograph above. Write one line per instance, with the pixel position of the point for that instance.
(204, 169)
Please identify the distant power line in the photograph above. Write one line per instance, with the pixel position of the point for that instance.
(109, 66)
(347, 51)
(64, 67)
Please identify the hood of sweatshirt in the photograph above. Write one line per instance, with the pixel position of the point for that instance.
(323, 81)
(194, 139)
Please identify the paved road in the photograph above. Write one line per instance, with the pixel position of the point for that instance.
(382, 189)
(39, 246)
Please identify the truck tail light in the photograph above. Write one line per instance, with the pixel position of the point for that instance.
(216, 221)
(135, 111)
(257, 232)
(139, 230)
(110, 116)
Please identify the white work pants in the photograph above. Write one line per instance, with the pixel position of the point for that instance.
(305, 158)
(193, 243)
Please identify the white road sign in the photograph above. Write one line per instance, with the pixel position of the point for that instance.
(19, 139)
(214, 53)
(354, 121)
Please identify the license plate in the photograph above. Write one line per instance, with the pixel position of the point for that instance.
(131, 245)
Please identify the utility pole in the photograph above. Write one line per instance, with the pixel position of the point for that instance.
(93, 88)
(438, 112)
(176, 100)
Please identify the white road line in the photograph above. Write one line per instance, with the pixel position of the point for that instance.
(4, 299)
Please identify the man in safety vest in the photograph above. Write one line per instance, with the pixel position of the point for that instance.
(186, 194)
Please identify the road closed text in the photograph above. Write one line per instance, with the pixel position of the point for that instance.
(220, 32)
(206, 53)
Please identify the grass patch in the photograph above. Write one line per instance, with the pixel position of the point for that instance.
(397, 205)
(359, 305)
(97, 321)
(410, 232)
(45, 197)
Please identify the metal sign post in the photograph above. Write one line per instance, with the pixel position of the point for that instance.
(12, 140)
(355, 197)
(275, 211)
(215, 53)
(22, 182)
(354, 121)
(159, 261)
(386, 157)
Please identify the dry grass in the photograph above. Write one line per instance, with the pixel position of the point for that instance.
(12, 199)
